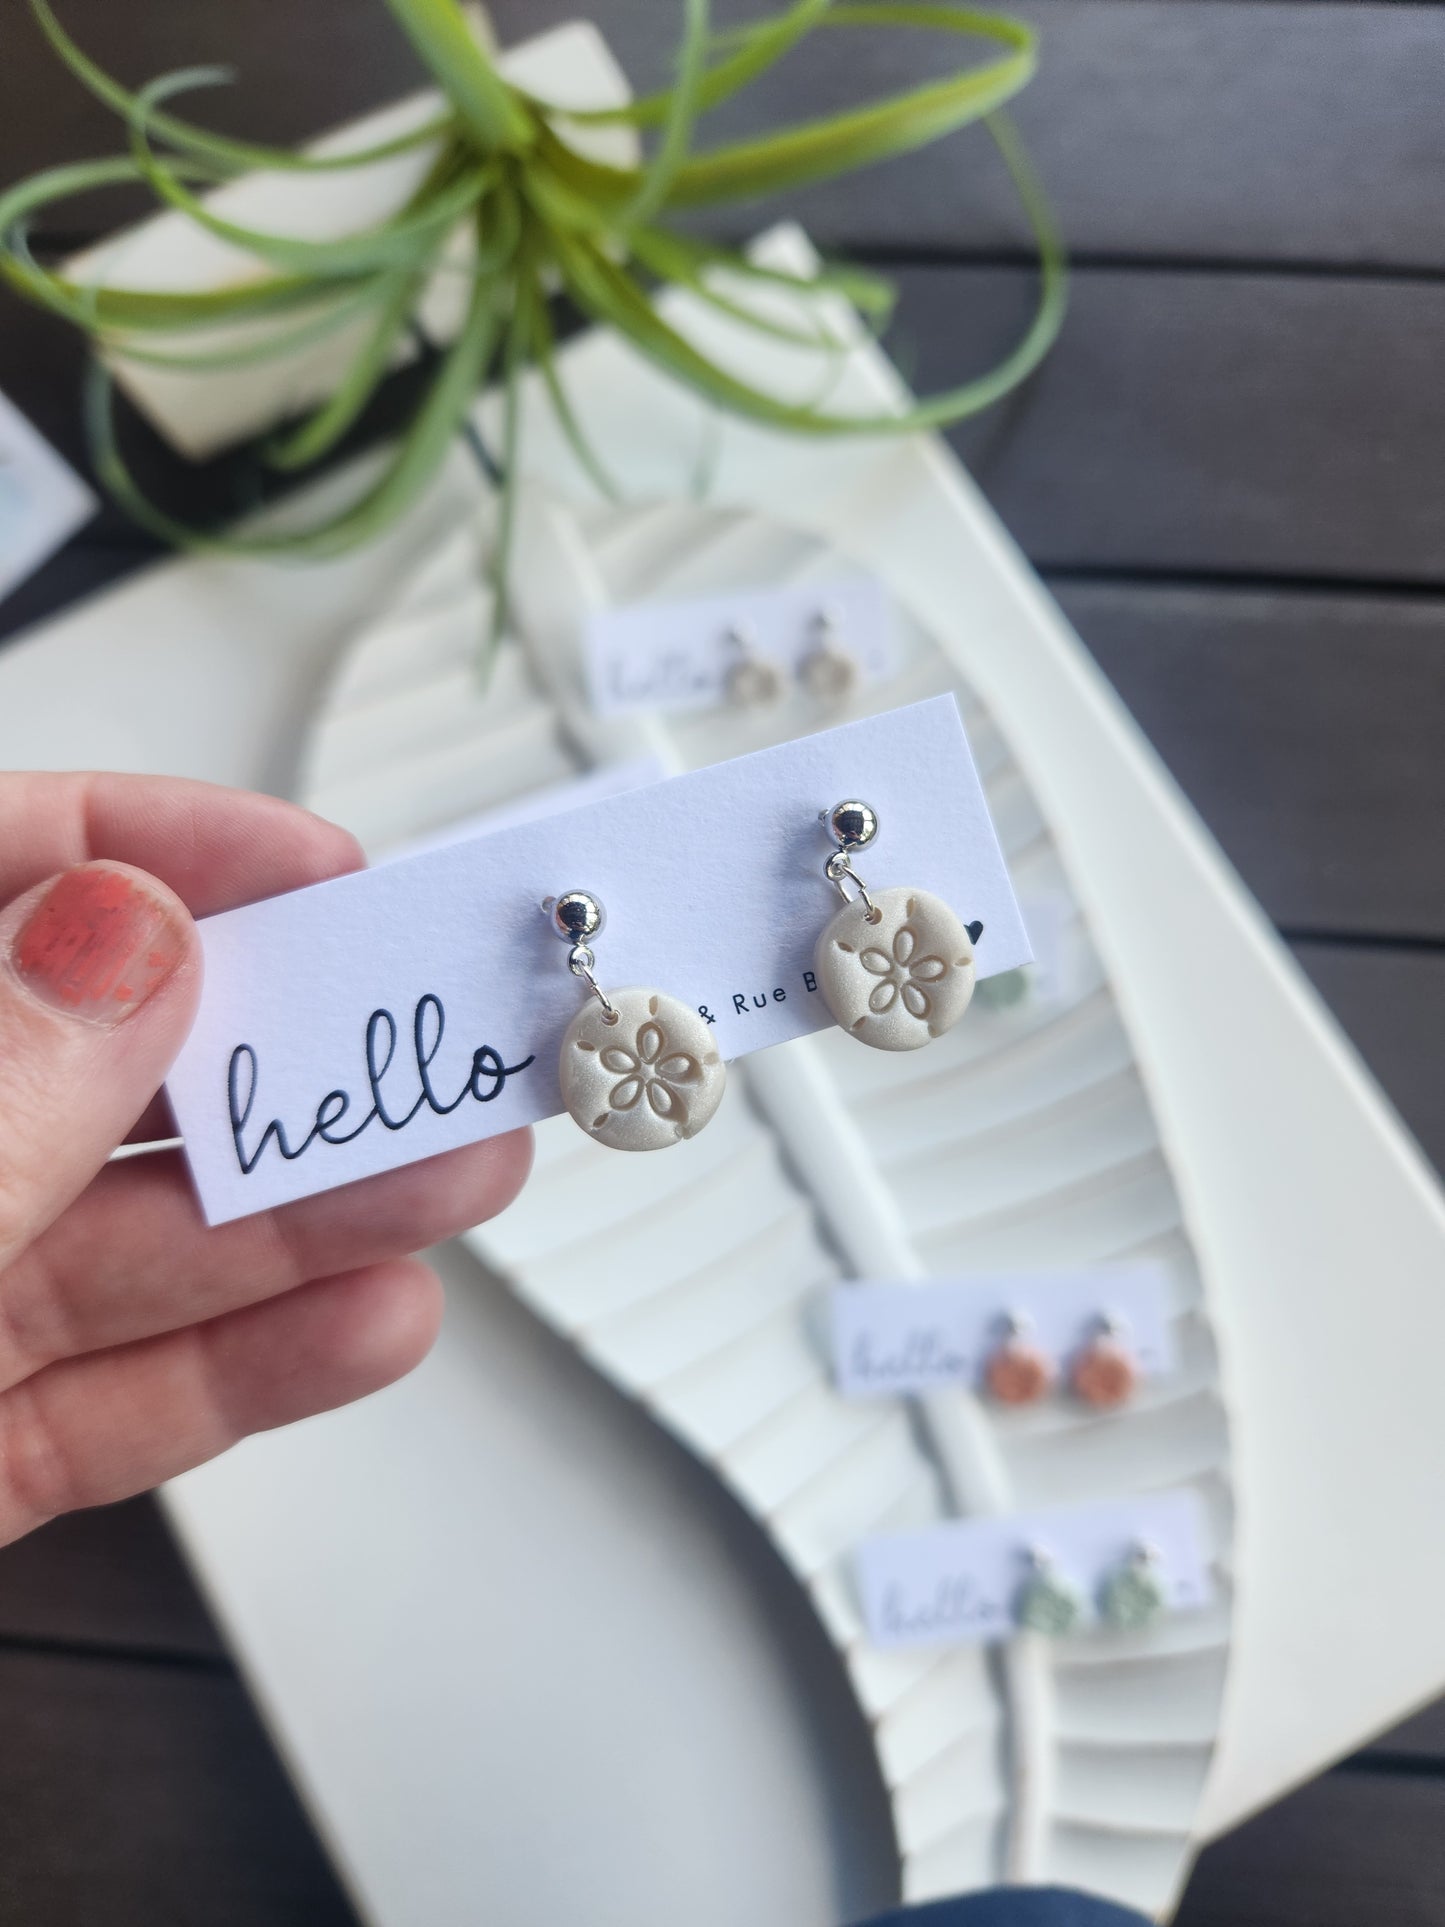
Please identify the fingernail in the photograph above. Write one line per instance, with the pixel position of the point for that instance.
(98, 944)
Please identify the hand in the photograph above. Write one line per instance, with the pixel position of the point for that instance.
(134, 1341)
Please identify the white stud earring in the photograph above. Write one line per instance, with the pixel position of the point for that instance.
(638, 1069)
(751, 681)
(1046, 1602)
(1133, 1595)
(895, 966)
(827, 670)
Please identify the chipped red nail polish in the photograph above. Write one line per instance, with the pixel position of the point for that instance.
(98, 943)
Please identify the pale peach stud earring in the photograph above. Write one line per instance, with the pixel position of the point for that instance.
(1016, 1372)
(1105, 1373)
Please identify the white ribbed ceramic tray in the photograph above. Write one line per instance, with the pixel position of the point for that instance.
(1024, 1139)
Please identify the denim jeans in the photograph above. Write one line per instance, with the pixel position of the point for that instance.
(1014, 1907)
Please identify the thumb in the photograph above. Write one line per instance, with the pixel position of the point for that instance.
(100, 969)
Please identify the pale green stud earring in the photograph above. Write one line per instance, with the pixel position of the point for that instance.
(1046, 1602)
(1133, 1596)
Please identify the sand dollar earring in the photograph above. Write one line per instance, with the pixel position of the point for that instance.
(750, 680)
(826, 670)
(895, 966)
(638, 1069)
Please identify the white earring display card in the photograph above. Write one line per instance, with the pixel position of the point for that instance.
(684, 655)
(42, 501)
(611, 779)
(892, 1339)
(959, 1584)
(386, 1016)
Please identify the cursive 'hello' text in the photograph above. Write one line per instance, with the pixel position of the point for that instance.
(334, 1122)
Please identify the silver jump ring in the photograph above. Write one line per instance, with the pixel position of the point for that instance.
(839, 866)
(582, 962)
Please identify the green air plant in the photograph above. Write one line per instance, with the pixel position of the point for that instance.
(540, 217)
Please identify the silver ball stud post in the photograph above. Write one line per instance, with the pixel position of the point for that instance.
(577, 916)
(852, 825)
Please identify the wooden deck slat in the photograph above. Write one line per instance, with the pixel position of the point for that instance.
(79, 570)
(296, 73)
(141, 1795)
(41, 364)
(1186, 424)
(108, 1577)
(1162, 128)
(1191, 423)
(1392, 1005)
(1348, 1850)
(1306, 729)
(1418, 1742)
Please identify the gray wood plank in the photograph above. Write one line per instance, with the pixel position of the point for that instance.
(110, 1577)
(1392, 1005)
(1349, 1850)
(1246, 423)
(1307, 731)
(84, 567)
(42, 370)
(1305, 728)
(1160, 130)
(42, 364)
(1418, 1743)
(1185, 423)
(145, 1796)
(1163, 128)
(1200, 423)
(296, 72)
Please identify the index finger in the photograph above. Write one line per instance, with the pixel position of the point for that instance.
(215, 847)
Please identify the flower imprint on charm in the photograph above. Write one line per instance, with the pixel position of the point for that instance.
(902, 973)
(650, 1071)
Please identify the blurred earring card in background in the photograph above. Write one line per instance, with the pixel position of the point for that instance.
(42, 500)
(958, 1583)
(896, 1338)
(677, 656)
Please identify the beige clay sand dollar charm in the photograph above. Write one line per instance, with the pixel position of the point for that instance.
(638, 1069)
(644, 1077)
(895, 966)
